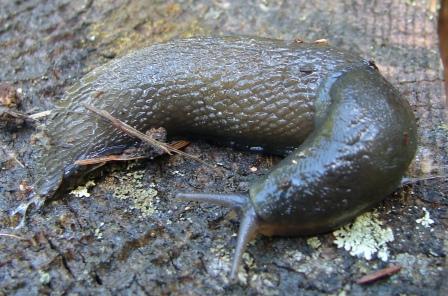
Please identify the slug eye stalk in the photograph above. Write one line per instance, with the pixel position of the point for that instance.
(249, 223)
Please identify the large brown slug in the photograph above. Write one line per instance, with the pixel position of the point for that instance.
(351, 134)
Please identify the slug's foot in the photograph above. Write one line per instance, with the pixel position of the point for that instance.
(35, 202)
(249, 223)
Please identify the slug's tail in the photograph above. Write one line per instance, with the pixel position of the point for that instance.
(43, 188)
(249, 224)
(35, 201)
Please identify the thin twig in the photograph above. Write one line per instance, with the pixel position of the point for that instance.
(137, 134)
(124, 157)
(12, 236)
(129, 129)
(38, 115)
(407, 181)
(380, 274)
(9, 115)
(12, 155)
(114, 157)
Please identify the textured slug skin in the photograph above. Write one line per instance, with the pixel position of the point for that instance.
(353, 134)
(353, 159)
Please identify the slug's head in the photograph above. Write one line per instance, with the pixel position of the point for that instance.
(250, 223)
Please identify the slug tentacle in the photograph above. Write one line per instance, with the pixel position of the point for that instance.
(227, 200)
(250, 223)
(248, 230)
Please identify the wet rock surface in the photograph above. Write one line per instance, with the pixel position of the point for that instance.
(129, 236)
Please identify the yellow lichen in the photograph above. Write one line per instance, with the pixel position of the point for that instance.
(83, 191)
(314, 242)
(129, 186)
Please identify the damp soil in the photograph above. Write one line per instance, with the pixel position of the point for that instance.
(128, 235)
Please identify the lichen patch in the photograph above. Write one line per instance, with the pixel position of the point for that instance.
(426, 220)
(365, 237)
(83, 191)
(314, 242)
(130, 186)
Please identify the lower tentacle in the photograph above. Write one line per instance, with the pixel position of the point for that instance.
(249, 224)
(248, 230)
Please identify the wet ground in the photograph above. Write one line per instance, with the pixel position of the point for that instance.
(129, 236)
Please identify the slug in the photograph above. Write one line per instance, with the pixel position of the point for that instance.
(347, 134)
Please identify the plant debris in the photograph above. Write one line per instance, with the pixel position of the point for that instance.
(128, 154)
(377, 275)
(12, 236)
(426, 220)
(6, 155)
(17, 118)
(143, 137)
(8, 96)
